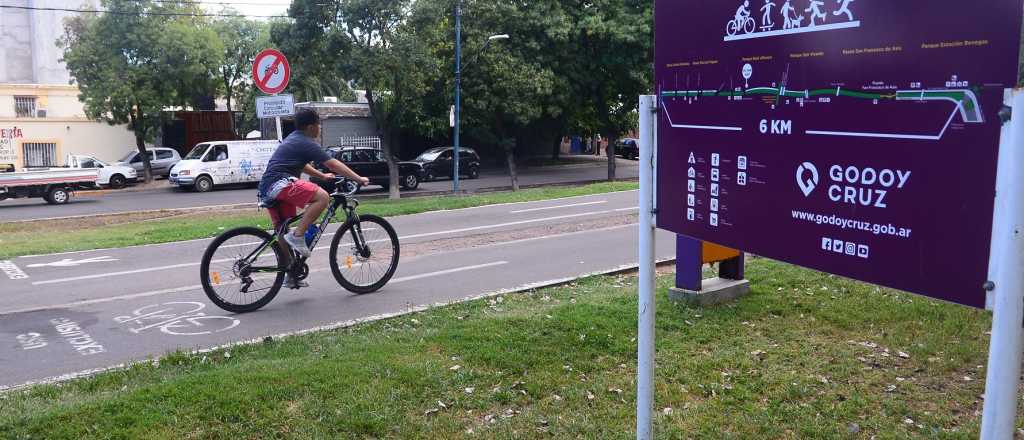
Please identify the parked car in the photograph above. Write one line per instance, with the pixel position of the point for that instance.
(110, 175)
(369, 162)
(628, 148)
(440, 162)
(161, 160)
(221, 163)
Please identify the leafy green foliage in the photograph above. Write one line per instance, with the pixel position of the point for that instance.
(131, 66)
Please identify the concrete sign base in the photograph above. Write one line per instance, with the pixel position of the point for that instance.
(715, 291)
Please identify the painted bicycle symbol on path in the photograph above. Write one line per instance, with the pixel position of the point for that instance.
(178, 319)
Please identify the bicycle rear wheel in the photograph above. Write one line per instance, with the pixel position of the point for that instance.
(242, 271)
(368, 269)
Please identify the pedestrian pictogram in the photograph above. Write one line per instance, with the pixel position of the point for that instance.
(270, 71)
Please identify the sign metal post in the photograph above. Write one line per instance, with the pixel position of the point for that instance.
(646, 303)
(1006, 272)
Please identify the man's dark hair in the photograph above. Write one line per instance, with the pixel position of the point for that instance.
(306, 117)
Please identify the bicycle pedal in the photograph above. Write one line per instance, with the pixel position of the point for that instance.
(296, 284)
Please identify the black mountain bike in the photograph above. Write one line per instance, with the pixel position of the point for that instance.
(244, 268)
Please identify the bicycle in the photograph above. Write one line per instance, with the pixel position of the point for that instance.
(369, 256)
(734, 26)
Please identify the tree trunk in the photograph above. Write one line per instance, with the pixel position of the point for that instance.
(140, 143)
(611, 157)
(394, 192)
(557, 152)
(510, 158)
(383, 132)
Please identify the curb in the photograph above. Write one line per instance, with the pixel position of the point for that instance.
(361, 197)
(334, 326)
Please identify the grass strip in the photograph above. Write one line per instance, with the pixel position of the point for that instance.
(51, 236)
(806, 355)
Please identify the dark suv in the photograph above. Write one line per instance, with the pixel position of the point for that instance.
(628, 148)
(369, 162)
(440, 162)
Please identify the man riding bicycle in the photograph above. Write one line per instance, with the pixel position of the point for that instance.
(284, 193)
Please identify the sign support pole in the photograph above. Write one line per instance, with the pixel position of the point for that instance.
(1006, 272)
(646, 303)
(277, 122)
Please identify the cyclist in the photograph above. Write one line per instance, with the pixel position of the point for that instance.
(742, 13)
(284, 193)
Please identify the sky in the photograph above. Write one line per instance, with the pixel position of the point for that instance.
(248, 7)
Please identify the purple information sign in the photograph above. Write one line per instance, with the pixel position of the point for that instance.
(855, 137)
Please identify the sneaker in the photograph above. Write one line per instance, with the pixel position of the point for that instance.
(298, 244)
(293, 283)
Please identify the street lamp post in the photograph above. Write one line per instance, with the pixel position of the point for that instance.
(458, 86)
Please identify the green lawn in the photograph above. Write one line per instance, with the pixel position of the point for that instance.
(18, 239)
(805, 356)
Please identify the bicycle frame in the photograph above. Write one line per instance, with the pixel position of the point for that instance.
(338, 200)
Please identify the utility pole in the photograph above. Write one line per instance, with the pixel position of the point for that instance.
(458, 91)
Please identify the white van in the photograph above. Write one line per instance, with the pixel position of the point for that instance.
(221, 163)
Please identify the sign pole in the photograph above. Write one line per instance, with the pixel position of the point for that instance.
(646, 303)
(277, 121)
(1006, 270)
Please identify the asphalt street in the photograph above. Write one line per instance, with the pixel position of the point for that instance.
(66, 313)
(170, 198)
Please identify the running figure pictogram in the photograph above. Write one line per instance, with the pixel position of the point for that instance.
(816, 12)
(766, 19)
(844, 8)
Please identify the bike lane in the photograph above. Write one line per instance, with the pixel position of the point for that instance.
(88, 275)
(45, 344)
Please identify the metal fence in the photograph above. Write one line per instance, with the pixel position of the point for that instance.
(360, 141)
(40, 155)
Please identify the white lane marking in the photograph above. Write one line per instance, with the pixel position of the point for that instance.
(635, 208)
(446, 272)
(557, 207)
(406, 237)
(199, 287)
(501, 225)
(114, 274)
(12, 270)
(441, 211)
(67, 262)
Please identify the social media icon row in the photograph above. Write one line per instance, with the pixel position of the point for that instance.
(845, 247)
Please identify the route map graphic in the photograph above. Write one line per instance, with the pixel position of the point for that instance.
(855, 137)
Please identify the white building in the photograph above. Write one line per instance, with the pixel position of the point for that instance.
(41, 119)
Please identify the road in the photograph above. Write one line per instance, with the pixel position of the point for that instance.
(169, 198)
(66, 313)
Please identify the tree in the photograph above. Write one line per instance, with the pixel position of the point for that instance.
(511, 95)
(130, 65)
(373, 43)
(242, 39)
(613, 63)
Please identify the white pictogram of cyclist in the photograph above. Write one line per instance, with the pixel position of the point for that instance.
(178, 319)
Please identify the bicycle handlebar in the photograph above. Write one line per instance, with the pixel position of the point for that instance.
(346, 186)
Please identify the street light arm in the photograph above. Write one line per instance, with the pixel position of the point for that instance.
(484, 49)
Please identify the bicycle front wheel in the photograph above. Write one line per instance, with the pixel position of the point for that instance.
(364, 255)
(242, 270)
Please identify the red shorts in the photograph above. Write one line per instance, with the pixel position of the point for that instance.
(293, 197)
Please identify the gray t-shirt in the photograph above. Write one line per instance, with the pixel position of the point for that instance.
(291, 157)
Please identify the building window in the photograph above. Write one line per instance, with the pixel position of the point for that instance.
(25, 106)
(40, 155)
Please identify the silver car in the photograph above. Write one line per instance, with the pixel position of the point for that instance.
(160, 159)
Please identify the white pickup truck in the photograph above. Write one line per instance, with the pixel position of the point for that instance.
(55, 185)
